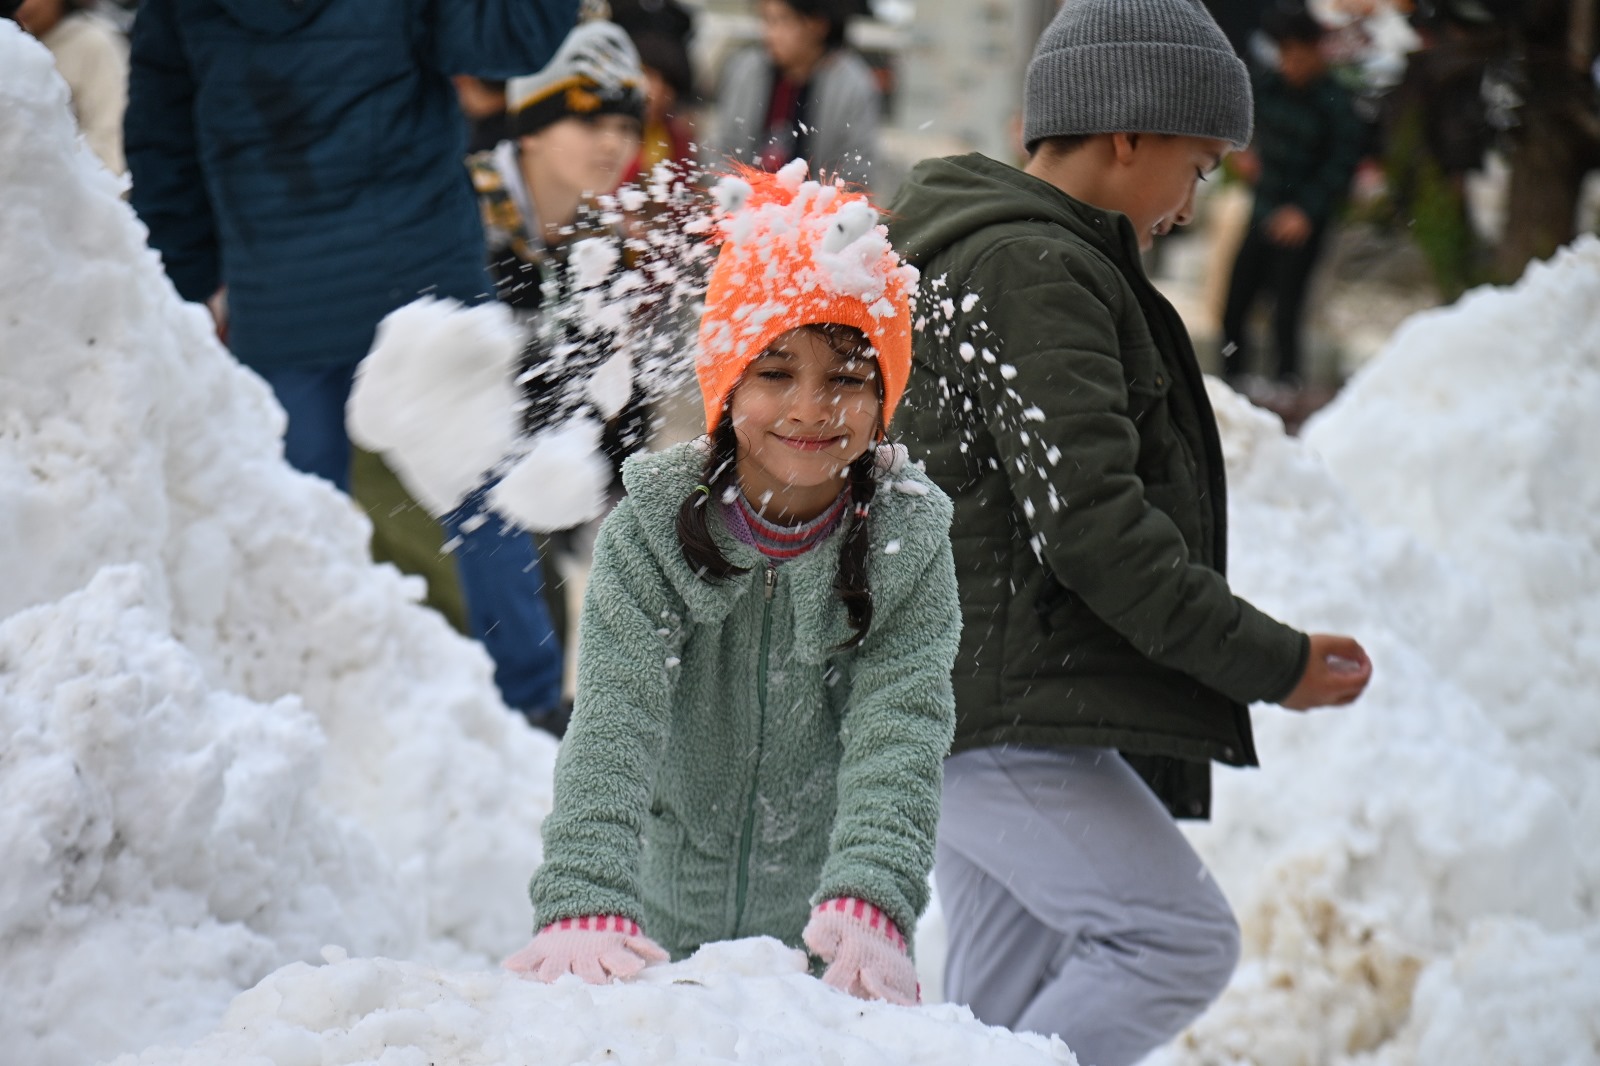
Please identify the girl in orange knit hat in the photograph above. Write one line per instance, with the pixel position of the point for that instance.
(764, 697)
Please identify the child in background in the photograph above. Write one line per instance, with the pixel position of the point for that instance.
(573, 127)
(1055, 395)
(1307, 143)
(764, 691)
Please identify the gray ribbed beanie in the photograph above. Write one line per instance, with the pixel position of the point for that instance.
(1136, 66)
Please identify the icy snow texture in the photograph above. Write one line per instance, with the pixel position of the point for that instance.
(229, 736)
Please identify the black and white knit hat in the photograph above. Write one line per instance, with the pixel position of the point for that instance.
(594, 72)
(1136, 66)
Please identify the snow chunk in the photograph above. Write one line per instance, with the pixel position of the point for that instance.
(560, 480)
(439, 371)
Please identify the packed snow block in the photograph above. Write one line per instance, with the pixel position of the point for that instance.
(303, 685)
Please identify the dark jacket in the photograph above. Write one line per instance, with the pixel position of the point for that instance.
(1309, 141)
(308, 154)
(1056, 398)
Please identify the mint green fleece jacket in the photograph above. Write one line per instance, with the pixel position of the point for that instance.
(727, 767)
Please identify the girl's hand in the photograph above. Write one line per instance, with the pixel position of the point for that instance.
(1336, 673)
(865, 953)
(597, 949)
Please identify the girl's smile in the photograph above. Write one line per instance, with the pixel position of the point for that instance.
(803, 413)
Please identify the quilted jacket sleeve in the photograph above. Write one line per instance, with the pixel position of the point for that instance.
(1061, 425)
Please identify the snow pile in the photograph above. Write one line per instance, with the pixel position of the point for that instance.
(747, 1002)
(231, 738)
(1409, 869)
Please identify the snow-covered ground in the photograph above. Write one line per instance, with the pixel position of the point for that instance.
(230, 740)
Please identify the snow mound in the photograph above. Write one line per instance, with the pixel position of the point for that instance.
(743, 1002)
(129, 782)
(132, 443)
(1405, 866)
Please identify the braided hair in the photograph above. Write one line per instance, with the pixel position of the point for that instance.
(852, 581)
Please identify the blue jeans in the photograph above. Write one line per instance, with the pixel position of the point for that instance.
(499, 567)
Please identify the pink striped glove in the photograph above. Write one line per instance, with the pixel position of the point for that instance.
(597, 949)
(865, 953)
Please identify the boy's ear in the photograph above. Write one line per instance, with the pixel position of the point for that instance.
(1123, 147)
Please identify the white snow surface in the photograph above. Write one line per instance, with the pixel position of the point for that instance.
(231, 739)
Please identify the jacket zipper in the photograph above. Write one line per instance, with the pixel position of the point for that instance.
(770, 581)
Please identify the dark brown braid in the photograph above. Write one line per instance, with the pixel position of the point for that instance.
(852, 582)
(699, 547)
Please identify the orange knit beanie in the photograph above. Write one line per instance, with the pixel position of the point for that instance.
(799, 253)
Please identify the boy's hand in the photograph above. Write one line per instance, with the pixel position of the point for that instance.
(1289, 227)
(1336, 673)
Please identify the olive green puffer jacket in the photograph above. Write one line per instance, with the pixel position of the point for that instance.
(1055, 396)
(727, 767)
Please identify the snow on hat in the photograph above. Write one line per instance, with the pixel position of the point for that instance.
(595, 72)
(1135, 66)
(799, 253)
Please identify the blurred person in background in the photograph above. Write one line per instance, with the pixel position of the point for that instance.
(320, 185)
(803, 94)
(572, 131)
(660, 30)
(483, 101)
(92, 57)
(1307, 143)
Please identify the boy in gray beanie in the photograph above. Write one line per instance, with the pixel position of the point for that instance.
(1105, 663)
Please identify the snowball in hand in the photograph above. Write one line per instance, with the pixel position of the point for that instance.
(435, 397)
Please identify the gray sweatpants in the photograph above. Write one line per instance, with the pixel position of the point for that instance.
(1073, 904)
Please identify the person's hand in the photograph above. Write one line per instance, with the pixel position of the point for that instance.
(865, 953)
(597, 949)
(1247, 165)
(1289, 227)
(217, 304)
(1337, 671)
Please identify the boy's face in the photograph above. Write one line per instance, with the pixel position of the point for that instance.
(803, 412)
(1159, 175)
(584, 155)
(1300, 62)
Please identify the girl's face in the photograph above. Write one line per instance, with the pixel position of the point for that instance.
(584, 155)
(803, 413)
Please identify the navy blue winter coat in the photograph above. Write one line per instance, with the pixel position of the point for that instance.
(309, 155)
